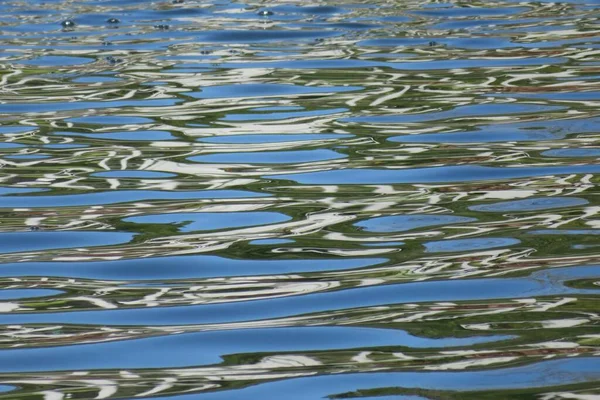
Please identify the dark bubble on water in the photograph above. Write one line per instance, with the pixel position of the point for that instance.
(68, 23)
(112, 60)
(113, 21)
(162, 27)
(265, 13)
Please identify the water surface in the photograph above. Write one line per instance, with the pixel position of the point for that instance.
(250, 200)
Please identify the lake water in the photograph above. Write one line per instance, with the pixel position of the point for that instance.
(293, 200)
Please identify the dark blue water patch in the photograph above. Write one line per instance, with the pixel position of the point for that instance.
(565, 232)
(402, 223)
(547, 373)
(57, 61)
(17, 129)
(15, 294)
(274, 138)
(110, 120)
(13, 190)
(265, 90)
(391, 18)
(282, 115)
(202, 348)
(205, 221)
(121, 196)
(145, 136)
(470, 111)
(155, 83)
(19, 108)
(4, 145)
(180, 267)
(96, 79)
(454, 245)
(11, 242)
(270, 157)
(383, 244)
(266, 242)
(572, 153)
(27, 157)
(533, 204)
(544, 283)
(460, 173)
(134, 174)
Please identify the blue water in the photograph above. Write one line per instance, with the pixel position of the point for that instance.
(211, 199)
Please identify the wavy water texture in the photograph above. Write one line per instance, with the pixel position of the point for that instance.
(264, 200)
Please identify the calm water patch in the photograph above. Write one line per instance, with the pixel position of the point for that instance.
(11, 242)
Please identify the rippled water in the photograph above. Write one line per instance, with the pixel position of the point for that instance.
(345, 199)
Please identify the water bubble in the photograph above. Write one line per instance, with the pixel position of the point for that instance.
(68, 23)
(161, 27)
(113, 20)
(111, 60)
(265, 13)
